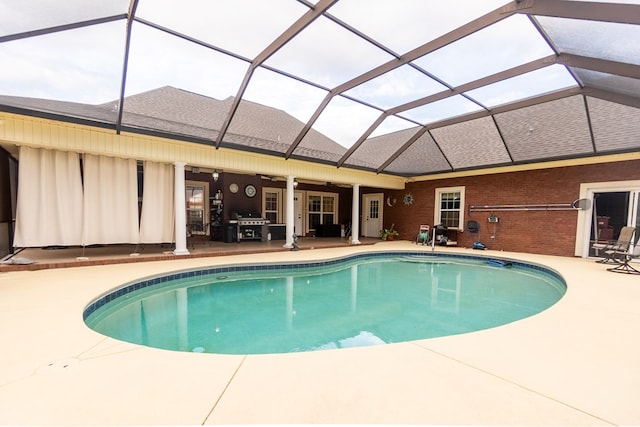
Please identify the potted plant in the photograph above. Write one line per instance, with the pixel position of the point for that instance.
(388, 233)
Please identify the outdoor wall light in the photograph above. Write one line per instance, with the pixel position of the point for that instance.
(215, 175)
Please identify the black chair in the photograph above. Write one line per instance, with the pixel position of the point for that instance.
(624, 261)
(611, 248)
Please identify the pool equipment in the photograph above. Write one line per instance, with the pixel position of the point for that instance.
(499, 263)
(473, 226)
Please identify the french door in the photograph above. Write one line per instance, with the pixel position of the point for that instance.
(372, 215)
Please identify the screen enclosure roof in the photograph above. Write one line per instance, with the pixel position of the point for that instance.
(401, 87)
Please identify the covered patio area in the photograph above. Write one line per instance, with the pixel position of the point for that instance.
(76, 256)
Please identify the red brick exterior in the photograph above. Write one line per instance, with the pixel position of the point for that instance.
(541, 232)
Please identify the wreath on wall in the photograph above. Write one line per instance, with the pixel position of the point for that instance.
(408, 199)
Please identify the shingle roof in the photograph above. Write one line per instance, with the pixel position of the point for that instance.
(254, 125)
(179, 113)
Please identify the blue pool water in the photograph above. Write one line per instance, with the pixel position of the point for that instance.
(361, 300)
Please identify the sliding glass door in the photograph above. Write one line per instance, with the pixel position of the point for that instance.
(613, 210)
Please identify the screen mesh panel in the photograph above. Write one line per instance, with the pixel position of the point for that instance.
(422, 157)
(472, 143)
(615, 127)
(550, 130)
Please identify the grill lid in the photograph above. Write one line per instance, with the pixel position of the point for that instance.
(249, 217)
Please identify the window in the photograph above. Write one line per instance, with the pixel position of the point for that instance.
(374, 209)
(197, 204)
(271, 203)
(322, 209)
(449, 207)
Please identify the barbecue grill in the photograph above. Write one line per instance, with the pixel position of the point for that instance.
(250, 226)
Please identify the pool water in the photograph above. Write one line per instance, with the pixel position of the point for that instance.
(359, 302)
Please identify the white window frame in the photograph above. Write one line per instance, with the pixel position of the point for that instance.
(322, 194)
(587, 190)
(205, 206)
(280, 203)
(438, 204)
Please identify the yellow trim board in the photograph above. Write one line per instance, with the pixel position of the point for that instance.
(533, 166)
(51, 134)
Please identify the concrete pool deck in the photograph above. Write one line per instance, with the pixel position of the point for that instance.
(576, 363)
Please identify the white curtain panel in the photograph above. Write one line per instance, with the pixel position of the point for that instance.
(49, 205)
(158, 211)
(110, 200)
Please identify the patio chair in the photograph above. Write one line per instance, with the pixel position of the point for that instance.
(616, 246)
(197, 231)
(624, 261)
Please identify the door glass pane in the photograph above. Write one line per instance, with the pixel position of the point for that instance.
(611, 214)
(195, 221)
(374, 209)
(195, 208)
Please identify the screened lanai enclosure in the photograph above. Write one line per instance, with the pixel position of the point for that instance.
(403, 87)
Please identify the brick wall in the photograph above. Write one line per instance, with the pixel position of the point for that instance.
(542, 232)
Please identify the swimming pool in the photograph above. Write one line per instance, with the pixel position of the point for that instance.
(364, 299)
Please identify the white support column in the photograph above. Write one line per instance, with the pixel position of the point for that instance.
(180, 210)
(289, 220)
(355, 215)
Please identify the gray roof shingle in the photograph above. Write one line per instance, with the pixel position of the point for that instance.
(179, 112)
